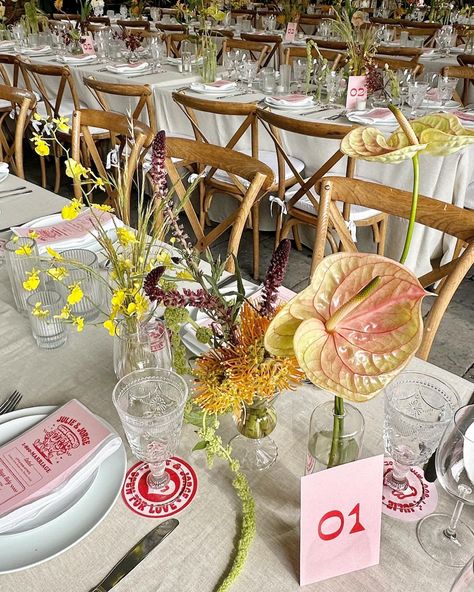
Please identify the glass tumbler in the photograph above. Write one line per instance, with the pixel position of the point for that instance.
(21, 257)
(48, 331)
(285, 77)
(150, 404)
(83, 269)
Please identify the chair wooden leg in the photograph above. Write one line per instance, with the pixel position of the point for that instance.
(256, 240)
(296, 236)
(57, 167)
(382, 236)
(43, 172)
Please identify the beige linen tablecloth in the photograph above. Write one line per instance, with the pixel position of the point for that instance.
(196, 555)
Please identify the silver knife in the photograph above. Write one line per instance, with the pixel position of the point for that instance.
(135, 555)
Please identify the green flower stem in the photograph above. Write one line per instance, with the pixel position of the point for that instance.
(337, 432)
(414, 205)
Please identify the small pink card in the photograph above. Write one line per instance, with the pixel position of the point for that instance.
(341, 510)
(290, 34)
(87, 44)
(45, 456)
(356, 91)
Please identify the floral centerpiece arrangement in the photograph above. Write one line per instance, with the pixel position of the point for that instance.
(291, 10)
(132, 41)
(76, 30)
(136, 8)
(33, 19)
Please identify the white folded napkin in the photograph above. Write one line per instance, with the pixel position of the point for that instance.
(4, 168)
(219, 85)
(295, 100)
(177, 61)
(6, 44)
(464, 115)
(372, 117)
(41, 49)
(127, 68)
(86, 57)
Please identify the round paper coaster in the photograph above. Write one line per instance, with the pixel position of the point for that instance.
(418, 500)
(170, 500)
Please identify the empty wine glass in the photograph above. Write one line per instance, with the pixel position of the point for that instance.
(446, 87)
(150, 404)
(447, 539)
(299, 72)
(333, 85)
(404, 77)
(416, 94)
(444, 38)
(250, 69)
(417, 409)
(157, 51)
(123, 11)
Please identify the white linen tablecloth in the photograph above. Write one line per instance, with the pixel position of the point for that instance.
(195, 556)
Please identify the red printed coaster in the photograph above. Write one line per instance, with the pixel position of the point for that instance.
(418, 500)
(172, 499)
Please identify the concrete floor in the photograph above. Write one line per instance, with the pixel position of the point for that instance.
(453, 348)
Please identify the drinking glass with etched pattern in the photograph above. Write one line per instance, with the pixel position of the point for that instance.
(150, 404)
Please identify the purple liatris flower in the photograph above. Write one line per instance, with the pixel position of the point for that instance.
(158, 168)
(274, 277)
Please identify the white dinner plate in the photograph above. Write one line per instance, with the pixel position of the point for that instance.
(4, 176)
(436, 105)
(25, 549)
(213, 91)
(290, 107)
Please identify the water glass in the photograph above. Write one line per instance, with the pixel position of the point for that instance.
(250, 72)
(333, 85)
(157, 52)
(44, 308)
(83, 269)
(22, 258)
(285, 77)
(446, 87)
(123, 11)
(404, 38)
(150, 404)
(299, 72)
(465, 580)
(416, 94)
(267, 76)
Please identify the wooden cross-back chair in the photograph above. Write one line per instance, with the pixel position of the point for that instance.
(301, 202)
(10, 75)
(222, 182)
(394, 64)
(171, 28)
(22, 106)
(134, 26)
(99, 20)
(250, 14)
(309, 24)
(432, 213)
(66, 17)
(395, 52)
(62, 102)
(327, 44)
(273, 41)
(333, 57)
(429, 33)
(131, 139)
(174, 41)
(465, 73)
(143, 94)
(465, 60)
(257, 175)
(257, 51)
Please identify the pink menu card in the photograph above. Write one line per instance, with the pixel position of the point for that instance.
(78, 228)
(45, 456)
(341, 510)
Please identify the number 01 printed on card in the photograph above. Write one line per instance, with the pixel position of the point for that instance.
(341, 519)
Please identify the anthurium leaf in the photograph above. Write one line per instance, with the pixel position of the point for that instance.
(357, 355)
(368, 143)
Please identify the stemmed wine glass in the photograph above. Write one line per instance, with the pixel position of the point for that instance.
(150, 404)
(299, 72)
(416, 93)
(465, 580)
(446, 86)
(447, 539)
(417, 409)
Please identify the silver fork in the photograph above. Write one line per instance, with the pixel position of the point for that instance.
(11, 402)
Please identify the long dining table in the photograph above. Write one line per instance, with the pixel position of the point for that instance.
(445, 178)
(194, 557)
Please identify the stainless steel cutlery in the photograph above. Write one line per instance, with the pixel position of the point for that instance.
(10, 402)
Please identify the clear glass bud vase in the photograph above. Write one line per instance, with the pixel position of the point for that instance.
(253, 447)
(335, 437)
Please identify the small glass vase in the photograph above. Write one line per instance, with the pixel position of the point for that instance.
(253, 447)
(75, 47)
(326, 451)
(133, 57)
(209, 65)
(139, 345)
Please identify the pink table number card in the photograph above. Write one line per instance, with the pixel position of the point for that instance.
(290, 34)
(341, 510)
(87, 44)
(356, 91)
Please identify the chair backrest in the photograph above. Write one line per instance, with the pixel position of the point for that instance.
(273, 41)
(432, 213)
(138, 24)
(257, 175)
(99, 20)
(465, 73)
(309, 23)
(169, 27)
(333, 57)
(274, 123)
(250, 14)
(173, 43)
(394, 64)
(9, 76)
(142, 92)
(66, 17)
(406, 52)
(257, 51)
(23, 103)
(429, 33)
(466, 60)
(130, 139)
(34, 75)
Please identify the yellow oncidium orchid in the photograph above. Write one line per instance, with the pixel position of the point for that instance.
(75, 294)
(32, 234)
(111, 327)
(126, 236)
(62, 124)
(75, 170)
(139, 306)
(102, 207)
(184, 275)
(78, 322)
(71, 211)
(58, 273)
(118, 298)
(65, 313)
(33, 280)
(24, 250)
(54, 254)
(39, 311)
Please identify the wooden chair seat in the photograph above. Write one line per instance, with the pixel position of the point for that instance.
(431, 213)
